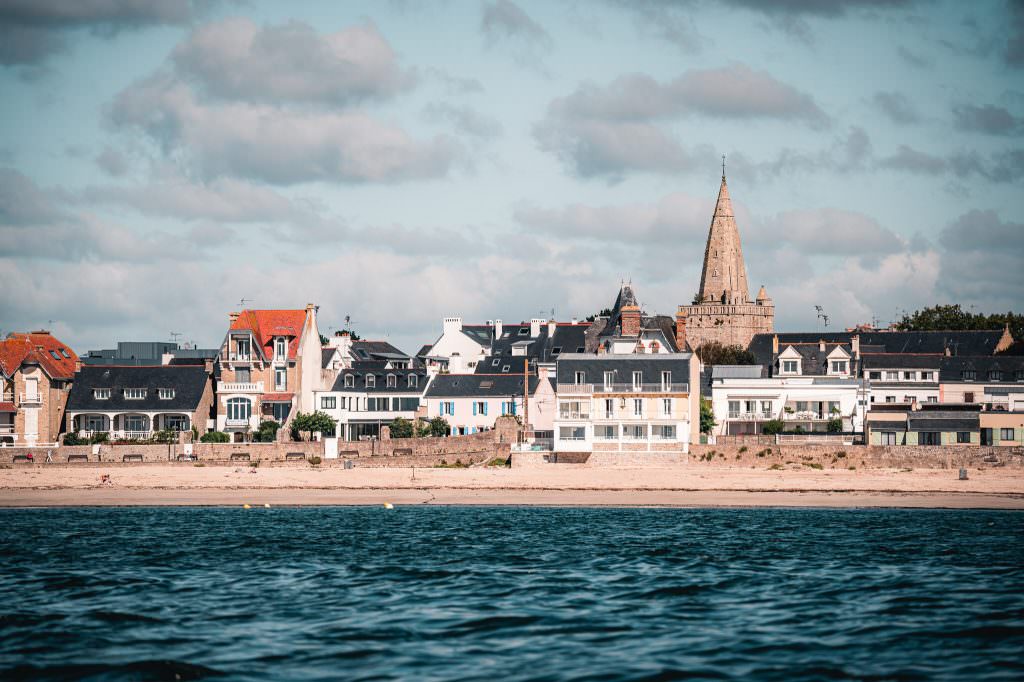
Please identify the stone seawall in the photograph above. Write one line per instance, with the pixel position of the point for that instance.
(783, 456)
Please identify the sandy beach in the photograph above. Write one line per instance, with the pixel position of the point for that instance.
(583, 486)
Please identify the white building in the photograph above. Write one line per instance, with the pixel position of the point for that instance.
(902, 377)
(363, 399)
(627, 402)
(471, 402)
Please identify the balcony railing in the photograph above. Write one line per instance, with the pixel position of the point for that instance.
(236, 422)
(240, 387)
(36, 399)
(567, 414)
(240, 357)
(807, 414)
(569, 389)
(751, 415)
(6, 428)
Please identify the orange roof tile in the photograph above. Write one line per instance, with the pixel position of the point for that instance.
(266, 324)
(38, 347)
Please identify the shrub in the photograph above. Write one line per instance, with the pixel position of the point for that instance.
(401, 428)
(165, 436)
(835, 425)
(498, 462)
(438, 426)
(772, 427)
(74, 439)
(743, 449)
(100, 437)
(841, 454)
(813, 465)
(775, 467)
(314, 460)
(215, 437)
(707, 416)
(267, 432)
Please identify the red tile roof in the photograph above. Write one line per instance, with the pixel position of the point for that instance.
(266, 324)
(36, 347)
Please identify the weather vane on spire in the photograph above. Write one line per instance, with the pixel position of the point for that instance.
(723, 166)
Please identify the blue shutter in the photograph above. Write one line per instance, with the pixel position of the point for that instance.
(513, 407)
(504, 406)
(474, 407)
(485, 409)
(440, 407)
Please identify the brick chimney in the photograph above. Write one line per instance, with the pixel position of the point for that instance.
(681, 331)
(630, 320)
(775, 344)
(232, 317)
(535, 325)
(208, 365)
(855, 346)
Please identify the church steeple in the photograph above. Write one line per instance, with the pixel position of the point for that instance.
(724, 279)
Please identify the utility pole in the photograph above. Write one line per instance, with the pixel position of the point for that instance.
(526, 395)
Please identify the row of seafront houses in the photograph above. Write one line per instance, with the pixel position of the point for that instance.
(624, 382)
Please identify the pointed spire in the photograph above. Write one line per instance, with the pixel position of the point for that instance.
(724, 279)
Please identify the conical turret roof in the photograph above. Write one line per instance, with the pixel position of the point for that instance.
(724, 278)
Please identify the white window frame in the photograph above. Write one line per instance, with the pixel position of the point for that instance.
(280, 379)
(638, 380)
(371, 380)
(328, 402)
(666, 407)
(609, 380)
(790, 367)
(236, 407)
(280, 348)
(581, 377)
(134, 394)
(101, 394)
(413, 381)
(638, 407)
(350, 381)
(165, 393)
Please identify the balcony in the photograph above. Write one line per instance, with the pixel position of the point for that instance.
(240, 357)
(751, 416)
(571, 389)
(26, 399)
(568, 414)
(6, 429)
(240, 387)
(575, 389)
(236, 423)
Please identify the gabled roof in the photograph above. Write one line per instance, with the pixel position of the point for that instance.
(266, 324)
(42, 348)
(188, 382)
(380, 380)
(973, 342)
(624, 365)
(376, 350)
(480, 385)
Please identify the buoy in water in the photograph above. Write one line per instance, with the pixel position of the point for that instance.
(388, 505)
(266, 505)
(246, 506)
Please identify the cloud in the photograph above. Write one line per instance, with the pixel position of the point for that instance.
(236, 59)
(465, 120)
(1006, 166)
(981, 260)
(1013, 53)
(33, 30)
(22, 202)
(112, 162)
(914, 59)
(791, 15)
(505, 20)
(914, 161)
(988, 119)
(847, 153)
(672, 23)
(828, 231)
(897, 107)
(274, 144)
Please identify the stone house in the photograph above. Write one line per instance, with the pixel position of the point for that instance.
(36, 372)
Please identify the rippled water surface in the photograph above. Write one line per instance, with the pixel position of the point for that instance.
(511, 593)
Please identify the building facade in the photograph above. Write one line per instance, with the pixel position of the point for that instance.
(470, 403)
(36, 373)
(363, 399)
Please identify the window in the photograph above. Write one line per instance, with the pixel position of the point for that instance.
(875, 376)
(666, 407)
(839, 366)
(239, 409)
(909, 376)
(666, 380)
(242, 349)
(734, 409)
(664, 432)
(581, 377)
(414, 381)
(280, 379)
(890, 398)
(638, 380)
(134, 393)
(54, 355)
(479, 407)
(135, 422)
(64, 352)
(766, 408)
(909, 399)
(1006, 434)
(605, 432)
(609, 380)
(280, 348)
(927, 376)
(995, 375)
(523, 331)
(968, 375)
(95, 422)
(931, 399)
(638, 407)
(968, 397)
(749, 406)
(392, 381)
(833, 407)
(448, 407)
(572, 433)
(609, 408)
(165, 393)
(508, 407)
(242, 375)
(371, 380)
(505, 368)
(888, 437)
(280, 411)
(575, 409)
(350, 381)
(635, 431)
(495, 361)
(929, 438)
(101, 393)
(789, 367)
(963, 436)
(176, 422)
(328, 402)
(892, 376)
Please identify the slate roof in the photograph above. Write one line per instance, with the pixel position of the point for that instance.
(814, 361)
(42, 348)
(737, 371)
(496, 364)
(650, 365)
(380, 380)
(188, 382)
(950, 369)
(479, 385)
(376, 350)
(926, 422)
(266, 324)
(980, 342)
(900, 361)
(568, 338)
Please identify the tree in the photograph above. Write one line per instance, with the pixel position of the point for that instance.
(312, 422)
(715, 353)
(953, 317)
(401, 428)
(605, 312)
(438, 426)
(772, 427)
(707, 416)
(215, 437)
(267, 431)
(835, 425)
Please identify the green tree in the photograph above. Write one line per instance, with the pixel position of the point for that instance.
(707, 416)
(953, 317)
(605, 312)
(267, 431)
(401, 428)
(772, 427)
(835, 425)
(438, 426)
(312, 422)
(715, 353)
(215, 437)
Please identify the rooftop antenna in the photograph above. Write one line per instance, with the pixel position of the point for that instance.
(723, 166)
(242, 302)
(821, 314)
(174, 336)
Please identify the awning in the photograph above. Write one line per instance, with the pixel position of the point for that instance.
(7, 407)
(277, 397)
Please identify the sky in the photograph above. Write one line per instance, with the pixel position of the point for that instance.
(399, 162)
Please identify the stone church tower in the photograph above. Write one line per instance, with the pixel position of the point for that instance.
(723, 310)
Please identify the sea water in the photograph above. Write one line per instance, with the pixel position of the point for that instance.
(510, 593)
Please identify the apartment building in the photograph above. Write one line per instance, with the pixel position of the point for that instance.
(365, 398)
(472, 402)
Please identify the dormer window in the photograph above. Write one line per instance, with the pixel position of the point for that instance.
(556, 350)
(524, 331)
(581, 378)
(909, 376)
(506, 368)
(350, 381)
(371, 381)
(392, 381)
(64, 352)
(54, 355)
(995, 375)
(838, 367)
(968, 375)
(101, 393)
(638, 380)
(134, 393)
(495, 361)
(609, 380)
(790, 367)
(166, 393)
(280, 348)
(414, 381)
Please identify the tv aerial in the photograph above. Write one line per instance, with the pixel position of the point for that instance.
(821, 315)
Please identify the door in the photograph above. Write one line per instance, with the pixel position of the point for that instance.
(31, 389)
(986, 436)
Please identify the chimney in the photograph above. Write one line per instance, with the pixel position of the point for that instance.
(775, 344)
(452, 324)
(855, 346)
(232, 317)
(551, 327)
(535, 324)
(681, 331)
(574, 321)
(78, 365)
(630, 320)
(497, 329)
(821, 345)
(208, 365)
